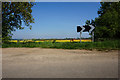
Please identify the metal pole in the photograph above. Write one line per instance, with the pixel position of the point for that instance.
(80, 36)
(92, 36)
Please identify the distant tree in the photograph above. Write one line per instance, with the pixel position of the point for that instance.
(13, 15)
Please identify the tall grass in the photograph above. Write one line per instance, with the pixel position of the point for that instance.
(104, 45)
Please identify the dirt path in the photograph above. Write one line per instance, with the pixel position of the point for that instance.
(58, 63)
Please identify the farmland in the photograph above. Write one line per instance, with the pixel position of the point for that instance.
(64, 44)
(51, 40)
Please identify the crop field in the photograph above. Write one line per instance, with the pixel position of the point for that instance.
(64, 44)
(58, 40)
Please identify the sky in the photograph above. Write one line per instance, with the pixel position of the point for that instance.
(58, 20)
(68, 0)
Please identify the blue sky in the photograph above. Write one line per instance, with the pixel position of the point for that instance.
(58, 20)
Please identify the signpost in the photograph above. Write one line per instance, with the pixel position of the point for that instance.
(80, 29)
(86, 28)
(80, 36)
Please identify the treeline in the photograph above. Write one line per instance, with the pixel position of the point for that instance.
(107, 24)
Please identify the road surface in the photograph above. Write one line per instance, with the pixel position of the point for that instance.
(58, 63)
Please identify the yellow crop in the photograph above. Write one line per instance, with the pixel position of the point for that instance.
(39, 41)
(86, 40)
(62, 41)
(13, 41)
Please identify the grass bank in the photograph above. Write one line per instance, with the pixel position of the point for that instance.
(104, 45)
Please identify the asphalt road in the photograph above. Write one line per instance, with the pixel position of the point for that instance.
(58, 63)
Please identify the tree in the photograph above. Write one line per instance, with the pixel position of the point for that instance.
(87, 22)
(14, 14)
(108, 17)
(107, 24)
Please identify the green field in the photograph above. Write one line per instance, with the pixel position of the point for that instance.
(101, 45)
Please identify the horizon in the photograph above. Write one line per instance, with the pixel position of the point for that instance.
(52, 38)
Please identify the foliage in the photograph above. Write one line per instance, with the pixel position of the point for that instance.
(87, 22)
(14, 14)
(107, 24)
(53, 41)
